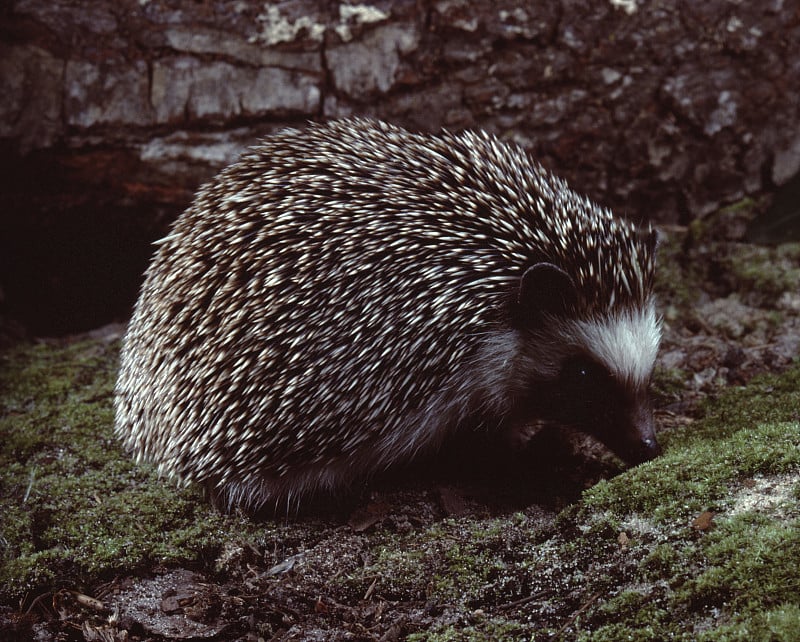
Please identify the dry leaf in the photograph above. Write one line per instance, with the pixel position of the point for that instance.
(703, 521)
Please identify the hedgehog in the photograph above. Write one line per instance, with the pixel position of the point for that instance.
(345, 296)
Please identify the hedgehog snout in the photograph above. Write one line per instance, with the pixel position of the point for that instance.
(646, 449)
(639, 441)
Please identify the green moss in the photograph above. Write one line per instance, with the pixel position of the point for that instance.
(680, 275)
(668, 385)
(468, 573)
(722, 580)
(676, 282)
(670, 579)
(708, 258)
(769, 271)
(746, 431)
(656, 632)
(726, 222)
(477, 629)
(779, 624)
(454, 561)
(74, 507)
(757, 274)
(664, 560)
(749, 560)
(403, 571)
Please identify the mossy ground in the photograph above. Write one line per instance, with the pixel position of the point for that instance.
(627, 561)
(633, 559)
(700, 544)
(73, 507)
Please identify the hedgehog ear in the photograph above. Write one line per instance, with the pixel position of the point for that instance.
(649, 237)
(545, 289)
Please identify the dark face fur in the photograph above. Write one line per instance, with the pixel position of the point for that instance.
(591, 374)
(599, 405)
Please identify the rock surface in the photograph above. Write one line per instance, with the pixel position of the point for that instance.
(112, 113)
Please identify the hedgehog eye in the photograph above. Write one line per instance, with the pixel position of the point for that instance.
(582, 373)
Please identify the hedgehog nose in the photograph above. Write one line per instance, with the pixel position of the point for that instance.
(649, 449)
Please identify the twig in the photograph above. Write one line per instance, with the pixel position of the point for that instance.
(574, 617)
(530, 598)
(371, 588)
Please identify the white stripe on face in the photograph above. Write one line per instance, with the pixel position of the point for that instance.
(626, 343)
